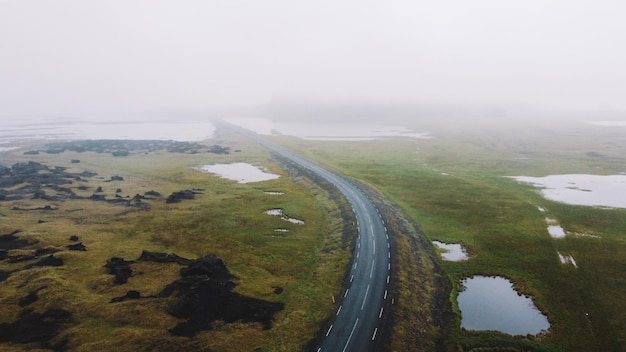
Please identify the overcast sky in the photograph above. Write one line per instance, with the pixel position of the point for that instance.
(79, 57)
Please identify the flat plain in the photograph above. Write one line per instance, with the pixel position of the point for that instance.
(455, 186)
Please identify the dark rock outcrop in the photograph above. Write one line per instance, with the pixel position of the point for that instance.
(33, 327)
(11, 241)
(5, 274)
(44, 251)
(115, 178)
(77, 247)
(177, 197)
(120, 268)
(132, 294)
(147, 256)
(20, 258)
(204, 294)
(50, 260)
(31, 297)
(152, 193)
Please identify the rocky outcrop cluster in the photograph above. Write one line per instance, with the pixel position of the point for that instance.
(204, 293)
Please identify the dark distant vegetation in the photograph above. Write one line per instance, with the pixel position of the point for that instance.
(125, 147)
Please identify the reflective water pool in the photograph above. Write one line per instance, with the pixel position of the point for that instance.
(491, 303)
(453, 252)
(240, 172)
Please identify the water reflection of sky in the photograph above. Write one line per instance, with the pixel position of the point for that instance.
(491, 303)
(582, 189)
(336, 131)
(79, 130)
(240, 172)
(452, 251)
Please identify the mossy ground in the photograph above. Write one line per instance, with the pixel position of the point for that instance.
(225, 219)
(454, 187)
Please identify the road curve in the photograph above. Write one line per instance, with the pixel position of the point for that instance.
(358, 317)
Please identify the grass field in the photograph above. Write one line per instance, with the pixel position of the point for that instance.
(454, 187)
(226, 219)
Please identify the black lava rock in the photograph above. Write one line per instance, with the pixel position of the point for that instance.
(120, 268)
(180, 196)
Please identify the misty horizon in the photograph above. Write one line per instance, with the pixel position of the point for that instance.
(83, 58)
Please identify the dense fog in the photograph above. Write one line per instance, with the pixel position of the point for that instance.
(96, 59)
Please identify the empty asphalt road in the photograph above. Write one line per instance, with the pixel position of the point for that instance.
(361, 307)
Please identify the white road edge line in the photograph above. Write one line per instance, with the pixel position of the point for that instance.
(350, 337)
(330, 328)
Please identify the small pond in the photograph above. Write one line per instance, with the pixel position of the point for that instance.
(240, 172)
(491, 303)
(279, 212)
(554, 229)
(453, 252)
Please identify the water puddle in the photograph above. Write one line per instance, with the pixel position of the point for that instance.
(279, 212)
(491, 303)
(453, 252)
(567, 259)
(581, 189)
(554, 229)
(240, 172)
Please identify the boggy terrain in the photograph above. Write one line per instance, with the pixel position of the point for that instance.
(72, 225)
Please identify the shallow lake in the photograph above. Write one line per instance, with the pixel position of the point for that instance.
(491, 303)
(336, 131)
(240, 172)
(133, 128)
(582, 189)
(453, 252)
